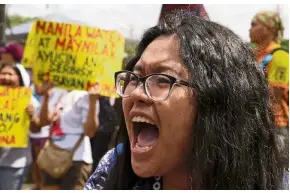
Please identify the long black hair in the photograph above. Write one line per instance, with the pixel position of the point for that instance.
(234, 143)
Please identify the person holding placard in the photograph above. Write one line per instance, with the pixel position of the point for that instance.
(39, 137)
(73, 121)
(14, 162)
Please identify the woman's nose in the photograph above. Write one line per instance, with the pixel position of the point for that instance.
(139, 94)
(6, 77)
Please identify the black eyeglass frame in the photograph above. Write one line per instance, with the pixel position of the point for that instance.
(173, 81)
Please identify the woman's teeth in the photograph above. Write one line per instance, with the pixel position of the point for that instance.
(142, 120)
(145, 148)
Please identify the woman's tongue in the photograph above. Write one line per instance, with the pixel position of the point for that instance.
(147, 136)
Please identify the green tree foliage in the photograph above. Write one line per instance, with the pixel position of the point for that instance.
(15, 20)
(285, 44)
(130, 48)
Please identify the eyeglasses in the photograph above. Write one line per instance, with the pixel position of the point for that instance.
(157, 86)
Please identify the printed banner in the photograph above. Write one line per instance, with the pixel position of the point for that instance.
(14, 120)
(74, 57)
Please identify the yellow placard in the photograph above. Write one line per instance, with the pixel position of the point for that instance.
(14, 120)
(74, 57)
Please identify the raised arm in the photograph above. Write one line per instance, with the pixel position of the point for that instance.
(92, 122)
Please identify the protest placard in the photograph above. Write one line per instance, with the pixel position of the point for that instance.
(74, 57)
(14, 120)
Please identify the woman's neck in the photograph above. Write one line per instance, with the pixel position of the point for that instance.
(178, 179)
(261, 46)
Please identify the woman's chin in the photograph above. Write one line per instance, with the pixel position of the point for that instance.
(142, 174)
(143, 170)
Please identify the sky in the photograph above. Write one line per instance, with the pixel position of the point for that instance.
(131, 20)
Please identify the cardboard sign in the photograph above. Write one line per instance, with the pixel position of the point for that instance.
(14, 120)
(74, 57)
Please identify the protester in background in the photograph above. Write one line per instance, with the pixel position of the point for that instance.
(75, 114)
(39, 138)
(267, 33)
(14, 162)
(107, 126)
(11, 54)
(196, 114)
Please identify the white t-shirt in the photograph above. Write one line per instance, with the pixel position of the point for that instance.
(56, 95)
(75, 106)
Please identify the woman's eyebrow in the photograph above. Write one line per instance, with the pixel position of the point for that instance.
(167, 69)
(138, 68)
(157, 69)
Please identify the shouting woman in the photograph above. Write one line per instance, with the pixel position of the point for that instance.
(14, 162)
(196, 114)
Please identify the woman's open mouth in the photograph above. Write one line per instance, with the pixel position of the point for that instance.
(146, 134)
(6, 83)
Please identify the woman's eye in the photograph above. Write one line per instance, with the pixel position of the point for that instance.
(133, 78)
(163, 80)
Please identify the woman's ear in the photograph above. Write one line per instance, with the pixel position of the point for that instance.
(273, 31)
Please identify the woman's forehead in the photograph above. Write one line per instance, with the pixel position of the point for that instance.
(162, 54)
(7, 69)
(162, 48)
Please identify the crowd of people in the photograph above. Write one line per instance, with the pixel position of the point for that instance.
(199, 109)
(60, 115)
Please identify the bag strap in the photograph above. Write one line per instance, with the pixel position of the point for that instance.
(268, 57)
(280, 48)
(78, 143)
(76, 146)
